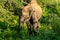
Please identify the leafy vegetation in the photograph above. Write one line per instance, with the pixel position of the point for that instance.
(50, 21)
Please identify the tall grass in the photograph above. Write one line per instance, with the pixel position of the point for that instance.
(49, 22)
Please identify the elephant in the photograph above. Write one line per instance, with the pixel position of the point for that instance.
(31, 14)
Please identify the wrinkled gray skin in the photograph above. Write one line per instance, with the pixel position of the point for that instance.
(31, 13)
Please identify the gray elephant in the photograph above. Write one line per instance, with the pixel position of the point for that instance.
(31, 13)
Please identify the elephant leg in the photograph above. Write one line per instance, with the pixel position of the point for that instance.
(35, 22)
(26, 20)
(35, 26)
(21, 21)
(28, 25)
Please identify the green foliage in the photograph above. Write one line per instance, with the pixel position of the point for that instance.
(50, 21)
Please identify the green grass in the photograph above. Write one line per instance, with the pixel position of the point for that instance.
(49, 22)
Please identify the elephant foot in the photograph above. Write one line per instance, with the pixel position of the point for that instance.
(33, 32)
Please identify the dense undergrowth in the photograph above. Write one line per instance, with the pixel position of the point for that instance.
(50, 21)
